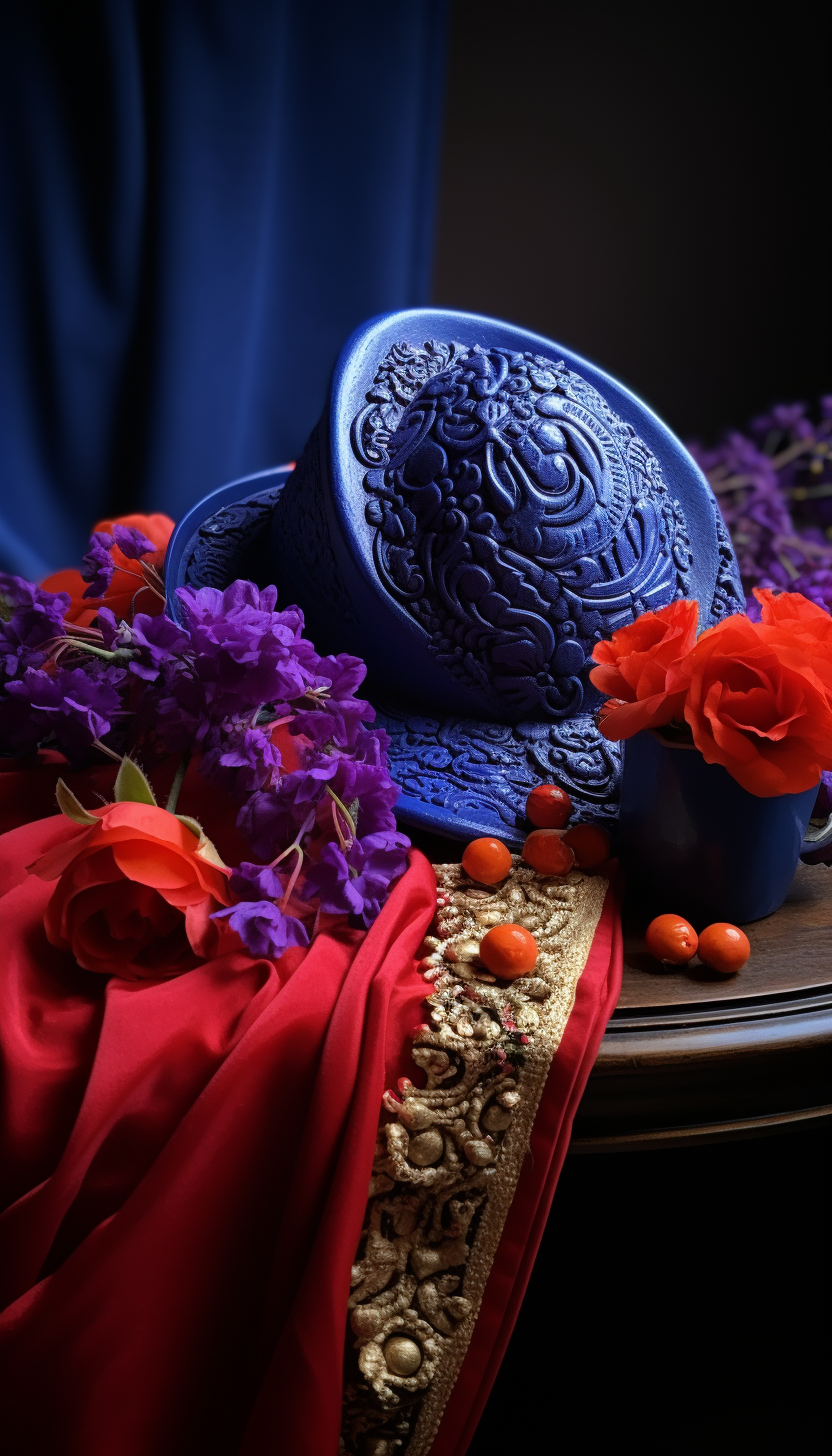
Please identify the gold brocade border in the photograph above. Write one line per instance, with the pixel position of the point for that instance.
(449, 1155)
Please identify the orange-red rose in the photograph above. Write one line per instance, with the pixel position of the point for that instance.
(802, 625)
(633, 664)
(134, 894)
(755, 705)
(124, 584)
(757, 696)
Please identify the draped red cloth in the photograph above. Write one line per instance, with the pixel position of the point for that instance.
(184, 1176)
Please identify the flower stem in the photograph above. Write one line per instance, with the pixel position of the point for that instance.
(178, 779)
(96, 743)
(304, 829)
(344, 810)
(121, 654)
(292, 879)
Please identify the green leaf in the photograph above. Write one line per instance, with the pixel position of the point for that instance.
(131, 785)
(206, 849)
(71, 807)
(192, 824)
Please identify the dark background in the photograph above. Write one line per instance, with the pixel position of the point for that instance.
(648, 185)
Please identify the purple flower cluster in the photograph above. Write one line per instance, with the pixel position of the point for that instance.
(98, 566)
(218, 683)
(774, 487)
(68, 707)
(358, 876)
(263, 927)
(72, 707)
(30, 621)
(235, 668)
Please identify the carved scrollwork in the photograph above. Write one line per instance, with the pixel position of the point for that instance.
(729, 596)
(229, 541)
(482, 773)
(517, 518)
(449, 1153)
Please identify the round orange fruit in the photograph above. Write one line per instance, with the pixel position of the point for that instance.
(672, 940)
(508, 951)
(486, 860)
(590, 845)
(724, 947)
(548, 806)
(546, 852)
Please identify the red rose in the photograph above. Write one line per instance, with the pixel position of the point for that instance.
(135, 893)
(124, 585)
(755, 705)
(633, 666)
(803, 625)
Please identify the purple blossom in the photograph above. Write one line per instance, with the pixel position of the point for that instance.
(153, 641)
(263, 928)
(98, 566)
(336, 721)
(773, 488)
(132, 543)
(244, 652)
(341, 674)
(30, 620)
(240, 759)
(369, 788)
(256, 882)
(271, 817)
(337, 716)
(73, 706)
(357, 882)
(816, 584)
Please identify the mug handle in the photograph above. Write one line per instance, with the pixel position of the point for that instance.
(818, 836)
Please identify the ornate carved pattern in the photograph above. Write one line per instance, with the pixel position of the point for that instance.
(517, 518)
(304, 530)
(398, 379)
(226, 542)
(482, 773)
(729, 596)
(449, 1154)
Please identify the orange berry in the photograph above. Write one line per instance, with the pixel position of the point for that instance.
(547, 853)
(508, 951)
(486, 860)
(590, 845)
(548, 807)
(671, 940)
(724, 947)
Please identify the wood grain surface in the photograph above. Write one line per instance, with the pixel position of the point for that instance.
(791, 951)
(692, 1057)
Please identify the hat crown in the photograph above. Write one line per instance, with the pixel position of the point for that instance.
(516, 518)
(469, 518)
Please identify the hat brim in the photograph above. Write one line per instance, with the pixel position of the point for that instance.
(459, 777)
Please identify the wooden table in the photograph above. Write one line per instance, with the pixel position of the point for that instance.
(691, 1057)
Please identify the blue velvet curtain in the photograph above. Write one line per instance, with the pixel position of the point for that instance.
(199, 199)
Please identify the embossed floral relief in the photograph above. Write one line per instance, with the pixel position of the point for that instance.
(517, 518)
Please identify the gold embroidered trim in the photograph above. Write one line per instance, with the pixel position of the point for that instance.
(448, 1160)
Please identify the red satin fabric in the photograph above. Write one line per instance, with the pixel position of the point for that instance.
(185, 1167)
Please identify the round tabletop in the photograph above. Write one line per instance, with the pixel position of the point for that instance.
(690, 1056)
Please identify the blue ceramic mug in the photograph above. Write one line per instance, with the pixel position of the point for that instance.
(695, 843)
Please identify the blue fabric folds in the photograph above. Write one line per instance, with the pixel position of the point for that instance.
(199, 200)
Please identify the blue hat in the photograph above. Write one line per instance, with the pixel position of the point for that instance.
(476, 507)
